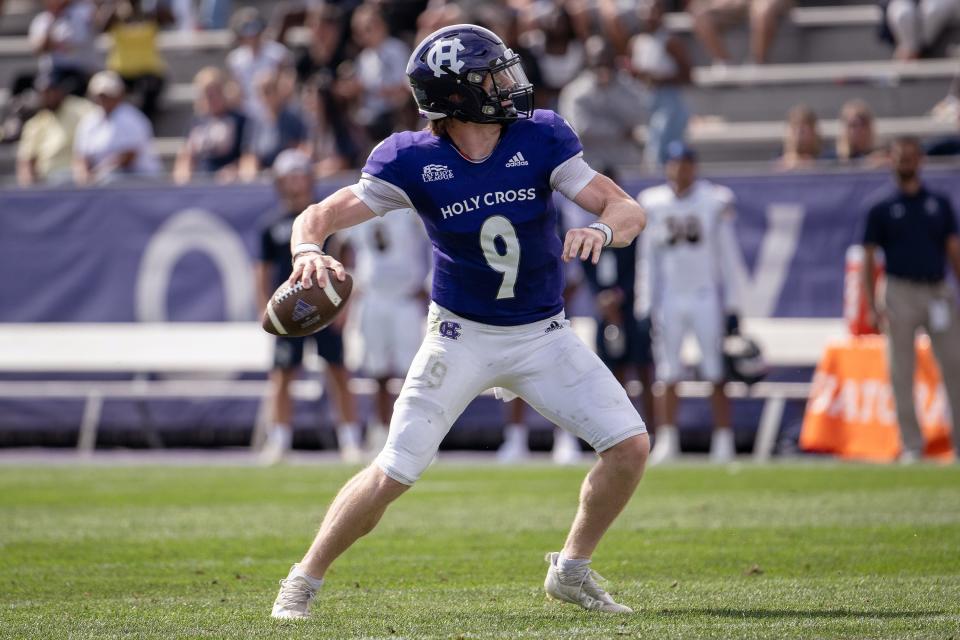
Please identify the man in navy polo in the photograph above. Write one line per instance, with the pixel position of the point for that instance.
(917, 230)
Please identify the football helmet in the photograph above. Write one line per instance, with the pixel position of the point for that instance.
(466, 72)
(743, 359)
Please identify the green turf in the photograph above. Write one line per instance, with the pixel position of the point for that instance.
(798, 551)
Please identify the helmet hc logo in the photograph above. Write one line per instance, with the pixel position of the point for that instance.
(443, 56)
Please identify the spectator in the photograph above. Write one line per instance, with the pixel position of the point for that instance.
(133, 54)
(277, 128)
(381, 78)
(21, 104)
(438, 15)
(503, 22)
(917, 230)
(45, 153)
(559, 55)
(113, 140)
(856, 141)
(215, 140)
(62, 37)
(660, 59)
(801, 142)
(915, 25)
(324, 51)
(710, 16)
(334, 145)
(603, 106)
(184, 14)
(254, 54)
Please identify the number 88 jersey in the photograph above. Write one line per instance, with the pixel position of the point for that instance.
(688, 245)
(492, 223)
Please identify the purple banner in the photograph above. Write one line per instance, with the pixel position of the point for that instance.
(184, 253)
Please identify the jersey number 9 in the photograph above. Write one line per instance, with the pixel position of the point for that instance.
(507, 263)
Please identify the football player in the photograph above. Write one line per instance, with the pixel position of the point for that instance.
(481, 177)
(684, 284)
(293, 179)
(392, 258)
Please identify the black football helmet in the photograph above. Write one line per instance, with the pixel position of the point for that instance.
(466, 72)
(743, 359)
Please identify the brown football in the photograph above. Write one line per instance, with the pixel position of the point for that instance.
(296, 312)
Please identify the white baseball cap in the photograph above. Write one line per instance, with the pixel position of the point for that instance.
(106, 83)
(290, 162)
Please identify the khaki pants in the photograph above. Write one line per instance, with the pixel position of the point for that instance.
(907, 305)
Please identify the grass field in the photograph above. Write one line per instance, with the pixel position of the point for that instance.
(798, 551)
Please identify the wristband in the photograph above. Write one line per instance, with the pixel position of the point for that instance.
(607, 232)
(306, 247)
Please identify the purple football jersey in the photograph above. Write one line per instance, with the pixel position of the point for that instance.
(492, 223)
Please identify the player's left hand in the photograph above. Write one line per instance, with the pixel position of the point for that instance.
(583, 243)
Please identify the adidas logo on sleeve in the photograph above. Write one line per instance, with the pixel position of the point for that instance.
(517, 160)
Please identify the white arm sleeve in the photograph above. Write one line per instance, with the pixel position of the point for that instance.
(381, 196)
(571, 176)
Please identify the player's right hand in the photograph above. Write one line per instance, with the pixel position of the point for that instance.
(312, 267)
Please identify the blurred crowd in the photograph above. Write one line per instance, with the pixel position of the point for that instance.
(328, 78)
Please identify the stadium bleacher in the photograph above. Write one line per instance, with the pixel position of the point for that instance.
(824, 56)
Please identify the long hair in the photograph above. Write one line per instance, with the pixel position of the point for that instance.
(438, 127)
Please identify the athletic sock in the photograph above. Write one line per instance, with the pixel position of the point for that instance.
(315, 583)
(571, 567)
(281, 435)
(515, 431)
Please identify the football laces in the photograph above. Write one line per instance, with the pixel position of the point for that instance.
(289, 291)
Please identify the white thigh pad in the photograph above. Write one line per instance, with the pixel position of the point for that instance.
(417, 428)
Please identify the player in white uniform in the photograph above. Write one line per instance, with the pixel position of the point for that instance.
(386, 325)
(685, 283)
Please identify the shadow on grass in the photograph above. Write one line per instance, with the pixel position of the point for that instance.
(726, 612)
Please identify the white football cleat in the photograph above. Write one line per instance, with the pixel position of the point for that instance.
(666, 446)
(293, 601)
(514, 447)
(580, 588)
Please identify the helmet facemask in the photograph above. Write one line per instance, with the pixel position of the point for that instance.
(504, 91)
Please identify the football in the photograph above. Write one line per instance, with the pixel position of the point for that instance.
(296, 312)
